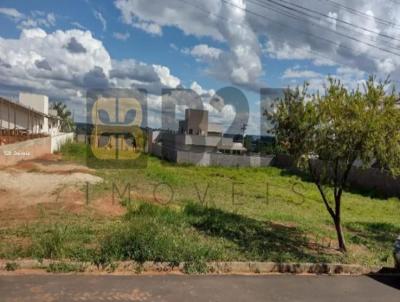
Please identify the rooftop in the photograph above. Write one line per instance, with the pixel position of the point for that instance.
(16, 103)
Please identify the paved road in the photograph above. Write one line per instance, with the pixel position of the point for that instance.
(70, 288)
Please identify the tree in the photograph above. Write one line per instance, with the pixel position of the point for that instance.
(248, 143)
(67, 124)
(328, 134)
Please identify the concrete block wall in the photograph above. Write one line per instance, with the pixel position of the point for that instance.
(209, 159)
(373, 180)
(58, 140)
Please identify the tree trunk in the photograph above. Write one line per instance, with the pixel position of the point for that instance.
(339, 232)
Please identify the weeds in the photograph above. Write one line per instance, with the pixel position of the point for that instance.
(153, 233)
(64, 267)
(11, 266)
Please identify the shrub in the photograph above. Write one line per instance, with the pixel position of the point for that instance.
(11, 266)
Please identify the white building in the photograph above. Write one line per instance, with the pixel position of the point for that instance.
(30, 115)
(196, 134)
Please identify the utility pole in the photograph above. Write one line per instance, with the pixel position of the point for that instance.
(95, 138)
(243, 128)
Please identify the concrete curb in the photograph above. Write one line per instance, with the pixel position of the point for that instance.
(211, 267)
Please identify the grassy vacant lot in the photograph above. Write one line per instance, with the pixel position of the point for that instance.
(186, 213)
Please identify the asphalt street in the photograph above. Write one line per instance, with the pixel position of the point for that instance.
(67, 288)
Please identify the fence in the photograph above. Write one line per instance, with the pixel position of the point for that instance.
(210, 158)
(370, 180)
(60, 139)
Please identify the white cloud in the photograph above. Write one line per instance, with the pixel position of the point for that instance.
(284, 51)
(325, 40)
(102, 20)
(11, 12)
(51, 18)
(121, 36)
(174, 13)
(34, 19)
(173, 46)
(64, 64)
(296, 73)
(200, 91)
(78, 25)
(49, 63)
(149, 27)
(165, 76)
(203, 51)
(351, 77)
(241, 64)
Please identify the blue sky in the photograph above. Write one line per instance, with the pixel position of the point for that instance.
(211, 43)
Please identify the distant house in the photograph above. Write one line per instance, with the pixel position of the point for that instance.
(196, 134)
(30, 115)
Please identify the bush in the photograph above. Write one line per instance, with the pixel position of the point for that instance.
(11, 266)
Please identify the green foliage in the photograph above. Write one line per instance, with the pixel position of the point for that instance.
(294, 120)
(61, 241)
(11, 266)
(74, 151)
(67, 124)
(340, 127)
(51, 244)
(329, 133)
(140, 138)
(153, 233)
(248, 143)
(65, 267)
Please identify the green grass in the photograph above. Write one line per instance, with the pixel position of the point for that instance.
(64, 267)
(169, 237)
(273, 216)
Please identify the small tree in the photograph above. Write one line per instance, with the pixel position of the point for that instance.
(67, 124)
(328, 134)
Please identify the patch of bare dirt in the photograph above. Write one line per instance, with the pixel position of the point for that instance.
(107, 206)
(49, 164)
(150, 197)
(69, 201)
(44, 180)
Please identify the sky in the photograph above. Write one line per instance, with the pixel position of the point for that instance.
(63, 48)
